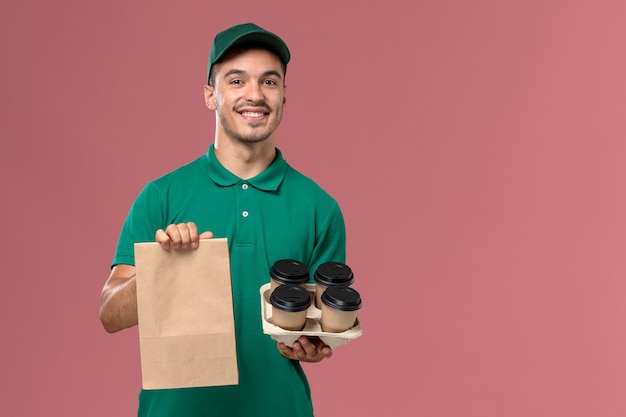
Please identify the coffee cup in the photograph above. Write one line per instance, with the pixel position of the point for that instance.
(339, 309)
(331, 274)
(289, 306)
(288, 271)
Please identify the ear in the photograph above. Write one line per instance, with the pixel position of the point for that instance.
(284, 96)
(209, 96)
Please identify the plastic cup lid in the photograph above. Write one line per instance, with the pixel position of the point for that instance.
(333, 273)
(289, 271)
(290, 298)
(342, 298)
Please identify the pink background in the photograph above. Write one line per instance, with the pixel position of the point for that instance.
(477, 149)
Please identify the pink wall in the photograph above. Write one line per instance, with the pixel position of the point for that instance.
(477, 149)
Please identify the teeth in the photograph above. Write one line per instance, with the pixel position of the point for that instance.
(252, 114)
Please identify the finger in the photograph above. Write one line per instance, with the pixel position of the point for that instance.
(327, 352)
(299, 351)
(193, 234)
(323, 348)
(162, 238)
(174, 235)
(286, 351)
(314, 347)
(185, 235)
(309, 348)
(206, 235)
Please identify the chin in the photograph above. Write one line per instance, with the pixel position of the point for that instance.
(252, 139)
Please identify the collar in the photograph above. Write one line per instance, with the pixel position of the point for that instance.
(268, 180)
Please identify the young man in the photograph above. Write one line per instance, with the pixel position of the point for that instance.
(244, 190)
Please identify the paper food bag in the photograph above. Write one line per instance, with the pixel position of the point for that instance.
(186, 322)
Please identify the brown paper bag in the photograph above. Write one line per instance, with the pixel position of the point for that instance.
(186, 323)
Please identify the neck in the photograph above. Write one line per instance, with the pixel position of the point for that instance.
(245, 160)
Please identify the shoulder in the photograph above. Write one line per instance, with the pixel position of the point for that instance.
(173, 184)
(299, 178)
(183, 174)
(297, 182)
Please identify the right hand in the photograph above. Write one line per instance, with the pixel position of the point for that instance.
(181, 236)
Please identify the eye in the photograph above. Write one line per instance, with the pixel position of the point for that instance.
(236, 82)
(270, 82)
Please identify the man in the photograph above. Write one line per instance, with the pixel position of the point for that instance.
(244, 190)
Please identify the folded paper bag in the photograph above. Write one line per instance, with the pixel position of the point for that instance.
(186, 322)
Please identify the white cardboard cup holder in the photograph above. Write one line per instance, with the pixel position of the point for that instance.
(312, 326)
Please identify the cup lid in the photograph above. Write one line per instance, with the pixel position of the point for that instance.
(289, 271)
(333, 273)
(342, 298)
(290, 298)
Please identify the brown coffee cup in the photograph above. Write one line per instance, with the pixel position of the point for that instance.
(289, 306)
(339, 309)
(331, 274)
(288, 271)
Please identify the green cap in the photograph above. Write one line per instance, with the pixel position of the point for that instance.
(243, 34)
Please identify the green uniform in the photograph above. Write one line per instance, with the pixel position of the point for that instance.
(279, 214)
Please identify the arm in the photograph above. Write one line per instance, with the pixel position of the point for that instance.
(331, 246)
(118, 301)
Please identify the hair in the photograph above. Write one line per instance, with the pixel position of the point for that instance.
(237, 49)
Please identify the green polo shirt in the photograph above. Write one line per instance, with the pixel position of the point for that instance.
(279, 214)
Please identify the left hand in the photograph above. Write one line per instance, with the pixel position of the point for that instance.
(306, 349)
(181, 235)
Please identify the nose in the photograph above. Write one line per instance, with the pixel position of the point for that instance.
(254, 92)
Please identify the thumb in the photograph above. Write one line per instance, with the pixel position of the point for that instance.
(206, 235)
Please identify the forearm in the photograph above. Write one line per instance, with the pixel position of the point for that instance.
(118, 303)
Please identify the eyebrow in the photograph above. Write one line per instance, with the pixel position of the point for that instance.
(236, 71)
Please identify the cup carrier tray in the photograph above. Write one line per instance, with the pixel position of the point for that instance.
(312, 326)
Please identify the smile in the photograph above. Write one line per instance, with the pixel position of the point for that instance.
(252, 114)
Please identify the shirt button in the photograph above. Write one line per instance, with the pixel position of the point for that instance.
(244, 186)
(244, 213)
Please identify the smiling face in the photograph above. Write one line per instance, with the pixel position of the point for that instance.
(248, 95)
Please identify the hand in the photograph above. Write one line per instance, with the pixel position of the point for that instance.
(181, 235)
(306, 349)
